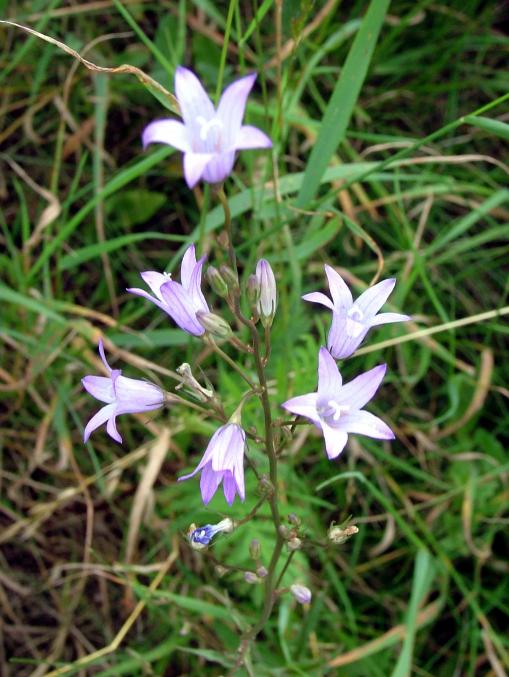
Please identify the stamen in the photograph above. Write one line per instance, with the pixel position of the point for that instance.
(207, 125)
(339, 409)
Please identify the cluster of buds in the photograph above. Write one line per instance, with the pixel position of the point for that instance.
(291, 534)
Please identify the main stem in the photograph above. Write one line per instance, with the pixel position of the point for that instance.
(270, 448)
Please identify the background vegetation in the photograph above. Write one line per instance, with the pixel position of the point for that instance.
(409, 172)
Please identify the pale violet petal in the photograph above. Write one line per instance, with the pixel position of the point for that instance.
(231, 109)
(219, 167)
(146, 295)
(111, 428)
(172, 132)
(98, 419)
(249, 137)
(374, 297)
(229, 487)
(100, 387)
(365, 423)
(387, 318)
(103, 356)
(135, 396)
(358, 392)
(339, 291)
(209, 482)
(194, 103)
(318, 297)
(335, 440)
(238, 474)
(187, 267)
(329, 378)
(155, 280)
(340, 341)
(194, 167)
(303, 405)
(195, 292)
(179, 306)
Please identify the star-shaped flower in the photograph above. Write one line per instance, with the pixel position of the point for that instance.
(122, 395)
(336, 409)
(181, 301)
(351, 320)
(208, 137)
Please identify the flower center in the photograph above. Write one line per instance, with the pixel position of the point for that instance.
(333, 411)
(354, 321)
(207, 125)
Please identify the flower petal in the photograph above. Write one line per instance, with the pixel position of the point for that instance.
(135, 396)
(209, 482)
(187, 266)
(172, 132)
(193, 101)
(179, 306)
(387, 318)
(231, 109)
(303, 405)
(98, 419)
(318, 297)
(155, 281)
(251, 137)
(340, 341)
(358, 392)
(100, 387)
(229, 487)
(194, 166)
(365, 423)
(339, 291)
(146, 295)
(374, 297)
(329, 378)
(219, 167)
(111, 428)
(335, 440)
(195, 292)
(103, 356)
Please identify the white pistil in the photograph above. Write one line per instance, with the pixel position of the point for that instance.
(354, 321)
(339, 409)
(207, 125)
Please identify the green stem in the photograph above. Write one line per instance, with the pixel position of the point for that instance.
(226, 40)
(232, 363)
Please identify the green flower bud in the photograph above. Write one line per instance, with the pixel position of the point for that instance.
(214, 324)
(217, 282)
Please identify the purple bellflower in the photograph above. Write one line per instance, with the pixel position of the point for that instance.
(351, 320)
(180, 300)
(208, 137)
(122, 396)
(336, 409)
(223, 461)
(200, 537)
(266, 305)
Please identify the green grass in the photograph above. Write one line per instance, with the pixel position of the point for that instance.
(390, 127)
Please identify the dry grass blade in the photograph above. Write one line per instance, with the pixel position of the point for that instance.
(145, 79)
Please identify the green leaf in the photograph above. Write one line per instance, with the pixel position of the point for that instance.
(489, 125)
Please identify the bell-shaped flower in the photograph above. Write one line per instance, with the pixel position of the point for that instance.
(351, 320)
(336, 409)
(223, 461)
(180, 300)
(122, 395)
(200, 537)
(267, 301)
(208, 137)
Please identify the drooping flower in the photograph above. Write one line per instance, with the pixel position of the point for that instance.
(122, 395)
(351, 320)
(200, 537)
(336, 409)
(302, 594)
(267, 302)
(180, 300)
(223, 461)
(208, 137)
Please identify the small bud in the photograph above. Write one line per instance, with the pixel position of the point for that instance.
(200, 537)
(230, 278)
(267, 303)
(217, 282)
(285, 531)
(220, 570)
(301, 593)
(338, 535)
(294, 543)
(265, 486)
(253, 290)
(214, 324)
(261, 572)
(294, 519)
(255, 549)
(251, 577)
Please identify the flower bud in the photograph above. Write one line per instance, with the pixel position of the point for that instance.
(294, 543)
(301, 593)
(251, 577)
(230, 278)
(285, 531)
(200, 537)
(266, 305)
(255, 549)
(293, 519)
(214, 324)
(253, 290)
(338, 535)
(217, 282)
(261, 572)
